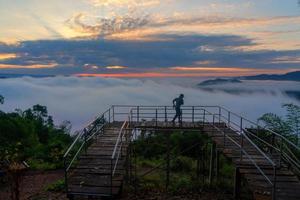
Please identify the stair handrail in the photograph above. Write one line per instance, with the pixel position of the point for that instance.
(267, 129)
(272, 163)
(92, 128)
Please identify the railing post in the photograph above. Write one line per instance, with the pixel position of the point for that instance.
(204, 116)
(213, 119)
(85, 140)
(66, 174)
(156, 117)
(220, 112)
(273, 143)
(280, 157)
(109, 116)
(131, 116)
(274, 183)
(229, 116)
(242, 146)
(241, 125)
(166, 116)
(193, 113)
(113, 113)
(111, 176)
(138, 114)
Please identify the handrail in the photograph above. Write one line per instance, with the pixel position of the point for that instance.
(257, 125)
(254, 145)
(72, 145)
(118, 139)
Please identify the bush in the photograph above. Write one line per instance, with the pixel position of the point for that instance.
(182, 163)
(181, 183)
(57, 186)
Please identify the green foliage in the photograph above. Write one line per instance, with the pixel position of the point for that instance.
(185, 148)
(182, 163)
(31, 135)
(57, 186)
(287, 126)
(293, 117)
(183, 182)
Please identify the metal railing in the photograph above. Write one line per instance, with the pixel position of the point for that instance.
(216, 116)
(83, 139)
(270, 141)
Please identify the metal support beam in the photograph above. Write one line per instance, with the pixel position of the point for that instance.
(237, 184)
(168, 161)
(211, 163)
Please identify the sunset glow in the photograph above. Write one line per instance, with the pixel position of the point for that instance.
(6, 56)
(36, 66)
(116, 67)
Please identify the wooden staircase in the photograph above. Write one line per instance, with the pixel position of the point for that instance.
(287, 184)
(100, 169)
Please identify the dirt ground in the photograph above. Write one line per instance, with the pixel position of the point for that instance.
(33, 186)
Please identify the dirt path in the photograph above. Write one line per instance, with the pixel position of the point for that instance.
(33, 186)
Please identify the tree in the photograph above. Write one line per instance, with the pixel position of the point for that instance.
(288, 126)
(293, 118)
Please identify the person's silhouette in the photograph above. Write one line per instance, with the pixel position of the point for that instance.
(177, 103)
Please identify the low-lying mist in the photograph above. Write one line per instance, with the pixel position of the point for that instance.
(80, 99)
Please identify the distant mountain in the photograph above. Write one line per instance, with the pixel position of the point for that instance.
(219, 81)
(3, 76)
(291, 76)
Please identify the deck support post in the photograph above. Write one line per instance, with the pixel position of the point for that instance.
(237, 183)
(168, 161)
(199, 158)
(135, 166)
(217, 164)
(211, 163)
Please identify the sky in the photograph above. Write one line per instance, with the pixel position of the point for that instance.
(149, 38)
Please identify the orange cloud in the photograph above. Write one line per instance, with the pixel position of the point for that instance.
(230, 70)
(210, 69)
(7, 56)
(116, 67)
(190, 72)
(36, 66)
(286, 60)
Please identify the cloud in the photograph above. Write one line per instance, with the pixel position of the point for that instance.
(80, 99)
(134, 25)
(122, 3)
(286, 60)
(7, 56)
(36, 66)
(106, 26)
(116, 67)
(94, 56)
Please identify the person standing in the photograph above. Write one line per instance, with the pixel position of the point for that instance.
(177, 103)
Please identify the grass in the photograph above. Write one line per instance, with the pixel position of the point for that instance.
(57, 186)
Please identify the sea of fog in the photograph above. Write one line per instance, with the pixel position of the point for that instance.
(80, 99)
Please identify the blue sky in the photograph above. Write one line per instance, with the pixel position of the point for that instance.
(141, 38)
